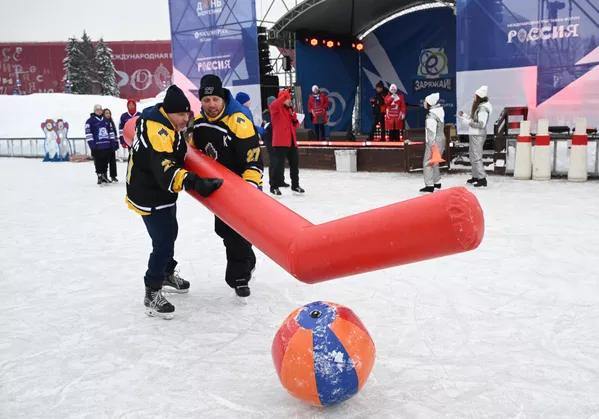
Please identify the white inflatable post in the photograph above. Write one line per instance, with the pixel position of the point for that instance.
(541, 165)
(523, 167)
(578, 170)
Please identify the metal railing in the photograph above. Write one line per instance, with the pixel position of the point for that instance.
(560, 156)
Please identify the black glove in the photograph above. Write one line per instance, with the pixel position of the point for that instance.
(203, 186)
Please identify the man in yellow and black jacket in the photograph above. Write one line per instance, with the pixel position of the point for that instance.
(224, 133)
(155, 176)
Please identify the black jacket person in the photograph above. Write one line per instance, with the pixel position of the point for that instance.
(155, 175)
(378, 109)
(225, 134)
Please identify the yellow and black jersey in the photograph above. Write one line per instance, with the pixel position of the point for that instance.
(231, 140)
(155, 172)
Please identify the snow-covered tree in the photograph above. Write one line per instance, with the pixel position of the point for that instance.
(73, 66)
(106, 71)
(89, 66)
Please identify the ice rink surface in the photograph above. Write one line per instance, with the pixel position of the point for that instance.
(510, 330)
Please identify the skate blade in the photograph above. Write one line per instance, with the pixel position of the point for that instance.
(277, 197)
(298, 194)
(171, 290)
(153, 313)
(242, 300)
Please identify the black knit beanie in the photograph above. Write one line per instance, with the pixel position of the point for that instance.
(211, 85)
(175, 101)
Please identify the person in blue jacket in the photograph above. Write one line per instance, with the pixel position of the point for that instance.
(101, 140)
(244, 100)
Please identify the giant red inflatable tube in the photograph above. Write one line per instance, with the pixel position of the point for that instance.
(432, 226)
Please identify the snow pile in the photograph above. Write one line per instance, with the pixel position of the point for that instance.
(22, 116)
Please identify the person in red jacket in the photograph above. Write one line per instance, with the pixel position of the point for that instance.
(317, 107)
(284, 142)
(395, 106)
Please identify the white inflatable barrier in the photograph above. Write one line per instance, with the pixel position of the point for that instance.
(541, 166)
(523, 166)
(578, 170)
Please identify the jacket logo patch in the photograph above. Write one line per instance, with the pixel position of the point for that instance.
(167, 164)
(240, 120)
(163, 132)
(211, 151)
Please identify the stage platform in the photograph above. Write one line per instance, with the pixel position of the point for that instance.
(372, 156)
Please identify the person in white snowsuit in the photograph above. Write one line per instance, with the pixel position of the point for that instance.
(65, 146)
(477, 123)
(435, 134)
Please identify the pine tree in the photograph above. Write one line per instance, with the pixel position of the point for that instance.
(89, 66)
(106, 71)
(73, 63)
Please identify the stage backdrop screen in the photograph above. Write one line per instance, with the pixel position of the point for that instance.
(216, 37)
(335, 72)
(536, 53)
(416, 52)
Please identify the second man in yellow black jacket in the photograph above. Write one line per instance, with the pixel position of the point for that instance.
(155, 176)
(226, 135)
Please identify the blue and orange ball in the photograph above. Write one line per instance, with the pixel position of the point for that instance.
(323, 354)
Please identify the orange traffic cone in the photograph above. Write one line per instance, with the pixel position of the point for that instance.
(436, 156)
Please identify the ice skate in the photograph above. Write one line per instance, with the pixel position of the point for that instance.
(437, 186)
(480, 183)
(242, 293)
(276, 193)
(298, 191)
(427, 189)
(174, 284)
(157, 305)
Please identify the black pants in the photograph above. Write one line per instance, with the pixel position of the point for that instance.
(272, 160)
(241, 259)
(320, 131)
(113, 164)
(101, 160)
(378, 118)
(163, 229)
(394, 135)
(292, 155)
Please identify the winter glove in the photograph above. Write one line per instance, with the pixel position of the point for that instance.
(203, 186)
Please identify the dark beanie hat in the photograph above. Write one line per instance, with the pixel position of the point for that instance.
(211, 85)
(175, 101)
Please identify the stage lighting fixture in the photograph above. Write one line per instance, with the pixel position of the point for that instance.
(330, 44)
(314, 42)
(360, 46)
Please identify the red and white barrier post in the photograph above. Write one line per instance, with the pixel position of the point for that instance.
(541, 165)
(578, 170)
(523, 167)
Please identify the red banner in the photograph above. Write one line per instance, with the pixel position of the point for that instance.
(142, 67)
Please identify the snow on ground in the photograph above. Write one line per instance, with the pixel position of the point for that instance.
(506, 331)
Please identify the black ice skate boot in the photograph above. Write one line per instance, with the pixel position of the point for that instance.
(100, 180)
(297, 190)
(437, 186)
(276, 192)
(157, 305)
(174, 284)
(114, 179)
(105, 179)
(480, 183)
(427, 189)
(471, 181)
(242, 293)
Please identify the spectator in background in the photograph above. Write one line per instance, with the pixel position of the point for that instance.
(317, 107)
(100, 141)
(284, 141)
(115, 145)
(435, 135)
(131, 113)
(244, 99)
(395, 106)
(267, 140)
(378, 109)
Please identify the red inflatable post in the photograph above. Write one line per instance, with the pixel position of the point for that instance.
(436, 225)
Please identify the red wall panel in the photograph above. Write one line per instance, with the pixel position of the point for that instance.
(142, 67)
